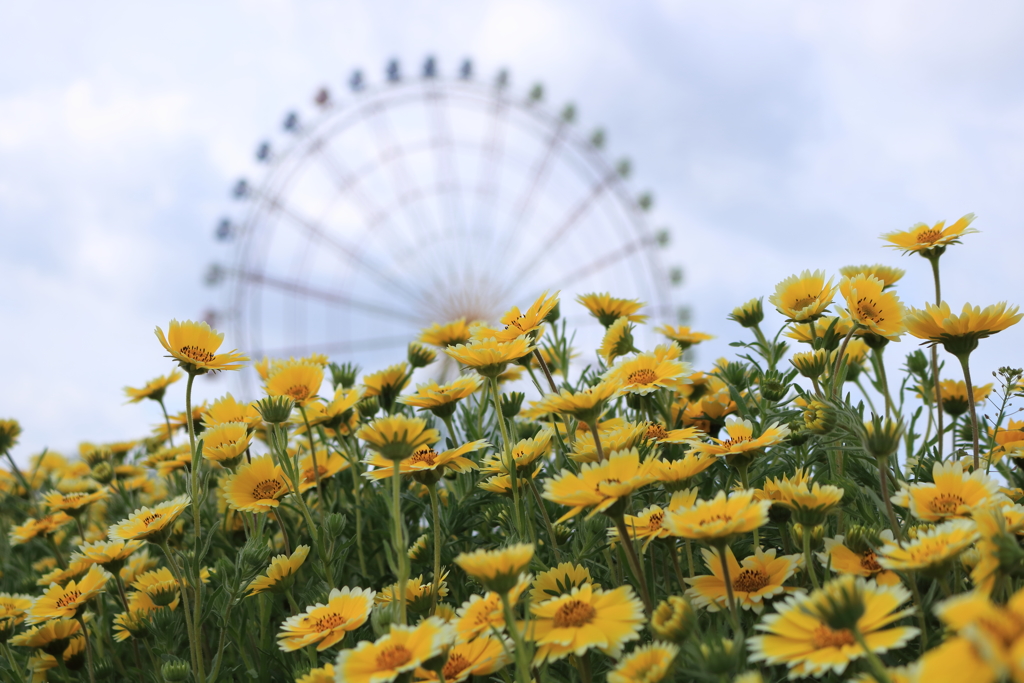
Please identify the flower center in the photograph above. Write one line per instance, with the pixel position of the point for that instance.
(67, 599)
(267, 488)
(517, 323)
(806, 301)
(329, 622)
(946, 502)
(309, 474)
(869, 561)
(455, 665)
(574, 614)
(298, 392)
(750, 580)
(642, 376)
(393, 656)
(825, 637)
(656, 431)
(656, 519)
(928, 236)
(715, 518)
(424, 455)
(197, 354)
(735, 442)
(151, 518)
(867, 309)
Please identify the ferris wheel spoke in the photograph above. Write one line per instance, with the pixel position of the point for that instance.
(348, 252)
(403, 188)
(599, 264)
(327, 297)
(348, 346)
(523, 267)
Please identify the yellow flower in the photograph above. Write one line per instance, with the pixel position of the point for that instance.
(759, 579)
(490, 356)
(73, 571)
(619, 436)
(803, 332)
(300, 382)
(327, 465)
(517, 323)
(131, 624)
(397, 437)
(599, 485)
(402, 649)
(324, 625)
(867, 305)
(68, 601)
(617, 341)
(742, 444)
(30, 528)
(110, 555)
(418, 594)
(649, 663)
(583, 619)
(226, 443)
(994, 521)
(675, 474)
(607, 309)
(923, 238)
(673, 620)
(51, 636)
(147, 522)
(442, 399)
(331, 414)
(955, 399)
(425, 464)
(256, 486)
(952, 493)
(959, 334)
(501, 484)
(154, 388)
(558, 580)
(717, 519)
(73, 503)
(195, 346)
(13, 608)
(482, 657)
(645, 526)
(387, 383)
(323, 674)
(226, 409)
(842, 560)
(524, 453)
(497, 570)
(749, 314)
(930, 550)
(887, 274)
(683, 336)
(586, 405)
(449, 334)
(803, 297)
(645, 373)
(809, 503)
(281, 568)
(481, 614)
(794, 636)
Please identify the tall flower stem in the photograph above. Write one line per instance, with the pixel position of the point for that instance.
(877, 668)
(597, 440)
(964, 363)
(357, 491)
(88, 650)
(884, 483)
(884, 380)
(839, 361)
(167, 419)
(195, 494)
(506, 450)
(398, 541)
(674, 554)
(689, 558)
(634, 562)
(522, 658)
(934, 260)
(316, 468)
(284, 531)
(193, 642)
(737, 627)
(808, 558)
(13, 663)
(435, 511)
(544, 514)
(742, 469)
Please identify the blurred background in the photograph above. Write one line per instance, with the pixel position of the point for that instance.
(772, 138)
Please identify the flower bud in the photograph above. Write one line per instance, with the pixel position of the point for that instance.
(774, 386)
(861, 539)
(819, 417)
(103, 472)
(9, 432)
(840, 603)
(511, 404)
(175, 670)
(275, 409)
(673, 620)
(749, 314)
(817, 533)
(719, 655)
(881, 437)
(344, 376)
(420, 356)
(917, 362)
(811, 364)
(368, 407)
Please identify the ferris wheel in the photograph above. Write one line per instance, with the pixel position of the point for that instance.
(394, 205)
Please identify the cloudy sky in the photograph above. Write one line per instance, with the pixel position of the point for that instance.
(775, 136)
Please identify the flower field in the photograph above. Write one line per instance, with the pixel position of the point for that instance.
(792, 512)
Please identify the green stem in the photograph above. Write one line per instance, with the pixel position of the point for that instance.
(964, 362)
(88, 651)
(584, 668)
(884, 379)
(808, 558)
(357, 491)
(220, 645)
(742, 469)
(451, 427)
(634, 562)
(689, 558)
(674, 554)
(934, 260)
(13, 663)
(398, 542)
(522, 661)
(284, 531)
(544, 513)
(316, 469)
(506, 450)
(21, 477)
(435, 511)
(196, 496)
(884, 483)
(167, 419)
(193, 643)
(877, 668)
(839, 361)
(737, 627)
(597, 440)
